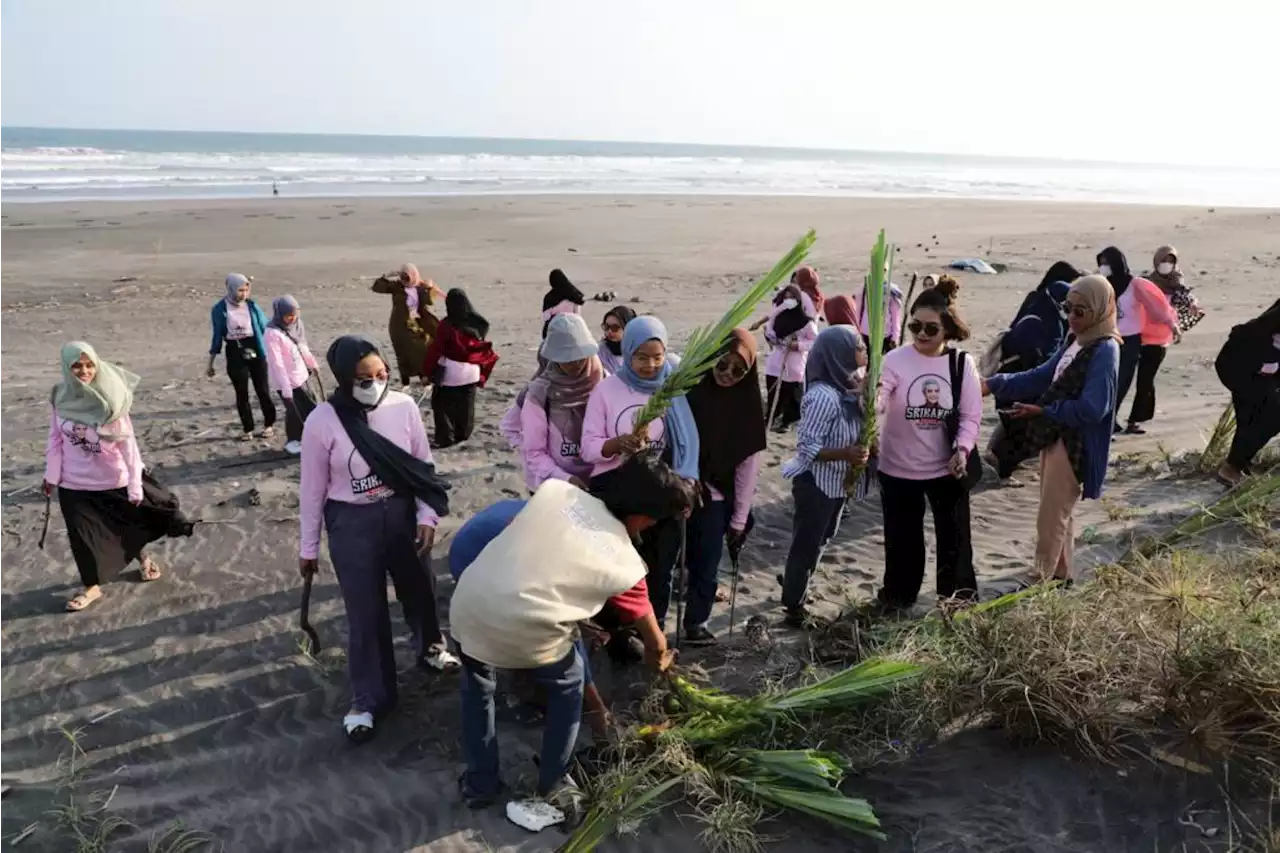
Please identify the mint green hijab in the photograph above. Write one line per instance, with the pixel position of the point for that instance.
(103, 401)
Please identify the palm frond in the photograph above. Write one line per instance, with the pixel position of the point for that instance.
(879, 275)
(705, 343)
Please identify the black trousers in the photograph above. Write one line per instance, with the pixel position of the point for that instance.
(813, 523)
(1130, 354)
(454, 410)
(297, 409)
(1257, 422)
(787, 409)
(903, 503)
(241, 373)
(660, 548)
(1144, 396)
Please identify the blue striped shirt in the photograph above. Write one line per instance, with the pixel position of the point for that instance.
(823, 426)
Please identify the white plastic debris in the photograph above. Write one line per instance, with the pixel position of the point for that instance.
(533, 815)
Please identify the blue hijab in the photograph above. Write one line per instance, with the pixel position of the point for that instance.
(833, 360)
(681, 429)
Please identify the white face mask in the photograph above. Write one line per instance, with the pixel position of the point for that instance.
(370, 396)
(1104, 270)
(1164, 268)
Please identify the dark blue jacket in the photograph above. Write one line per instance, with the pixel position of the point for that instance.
(1092, 414)
(256, 318)
(1039, 328)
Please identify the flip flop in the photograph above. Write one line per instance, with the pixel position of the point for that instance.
(81, 601)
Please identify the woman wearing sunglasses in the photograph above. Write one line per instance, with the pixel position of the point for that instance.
(729, 413)
(1071, 421)
(610, 347)
(367, 476)
(920, 460)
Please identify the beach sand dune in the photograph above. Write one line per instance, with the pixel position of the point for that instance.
(190, 695)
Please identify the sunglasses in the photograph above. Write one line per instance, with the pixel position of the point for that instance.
(732, 368)
(612, 327)
(1078, 311)
(380, 376)
(930, 330)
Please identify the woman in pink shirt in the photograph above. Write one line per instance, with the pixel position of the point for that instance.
(239, 323)
(290, 365)
(112, 507)
(790, 331)
(920, 461)
(730, 416)
(555, 404)
(367, 476)
(562, 298)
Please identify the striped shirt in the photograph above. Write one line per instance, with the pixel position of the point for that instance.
(823, 426)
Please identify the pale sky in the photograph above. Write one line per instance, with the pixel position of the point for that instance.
(1128, 80)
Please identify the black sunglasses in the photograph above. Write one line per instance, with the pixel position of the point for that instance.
(930, 330)
(612, 327)
(732, 368)
(1076, 310)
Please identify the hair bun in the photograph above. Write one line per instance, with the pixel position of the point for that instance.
(948, 287)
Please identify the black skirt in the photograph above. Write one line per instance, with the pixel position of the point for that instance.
(107, 532)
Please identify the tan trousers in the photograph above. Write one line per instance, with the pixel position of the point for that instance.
(1055, 523)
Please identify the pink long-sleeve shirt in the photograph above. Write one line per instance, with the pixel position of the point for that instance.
(548, 453)
(914, 399)
(288, 363)
(611, 411)
(745, 477)
(783, 361)
(77, 457)
(332, 470)
(1142, 310)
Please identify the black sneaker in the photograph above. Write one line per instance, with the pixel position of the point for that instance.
(479, 801)
(797, 617)
(1135, 429)
(699, 637)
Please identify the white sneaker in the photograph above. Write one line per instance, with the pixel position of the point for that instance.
(294, 447)
(441, 660)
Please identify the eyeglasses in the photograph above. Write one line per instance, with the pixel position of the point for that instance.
(930, 330)
(732, 368)
(612, 327)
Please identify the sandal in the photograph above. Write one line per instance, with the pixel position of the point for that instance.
(268, 432)
(246, 436)
(358, 725)
(149, 570)
(82, 600)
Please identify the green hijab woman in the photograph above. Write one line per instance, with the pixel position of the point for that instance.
(103, 399)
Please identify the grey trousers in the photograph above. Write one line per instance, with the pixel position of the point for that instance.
(366, 543)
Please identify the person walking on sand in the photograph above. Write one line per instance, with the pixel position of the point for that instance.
(610, 348)
(555, 403)
(412, 325)
(609, 437)
(562, 298)
(790, 331)
(841, 310)
(240, 323)
(729, 413)
(1249, 367)
(927, 431)
(562, 558)
(1167, 275)
(458, 362)
(290, 364)
(112, 507)
(1139, 305)
(368, 479)
(1070, 422)
(826, 445)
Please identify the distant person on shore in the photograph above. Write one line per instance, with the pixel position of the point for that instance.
(412, 325)
(275, 189)
(826, 445)
(562, 298)
(1070, 422)
(555, 404)
(842, 311)
(1139, 306)
(729, 413)
(609, 439)
(1249, 367)
(610, 348)
(290, 364)
(921, 461)
(790, 331)
(368, 478)
(893, 299)
(112, 507)
(458, 361)
(240, 323)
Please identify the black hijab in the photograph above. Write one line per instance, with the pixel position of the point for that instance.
(623, 315)
(462, 316)
(730, 420)
(1120, 275)
(562, 290)
(399, 470)
(1061, 271)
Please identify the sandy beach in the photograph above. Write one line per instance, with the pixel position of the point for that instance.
(191, 696)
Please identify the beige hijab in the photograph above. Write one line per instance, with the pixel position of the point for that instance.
(1099, 297)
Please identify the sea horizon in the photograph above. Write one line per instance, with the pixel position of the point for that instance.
(87, 164)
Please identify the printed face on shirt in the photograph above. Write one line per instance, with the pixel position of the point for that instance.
(238, 327)
(928, 402)
(364, 483)
(80, 436)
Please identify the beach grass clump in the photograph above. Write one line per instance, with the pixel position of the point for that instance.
(1218, 444)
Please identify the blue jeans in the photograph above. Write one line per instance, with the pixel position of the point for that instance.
(562, 682)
